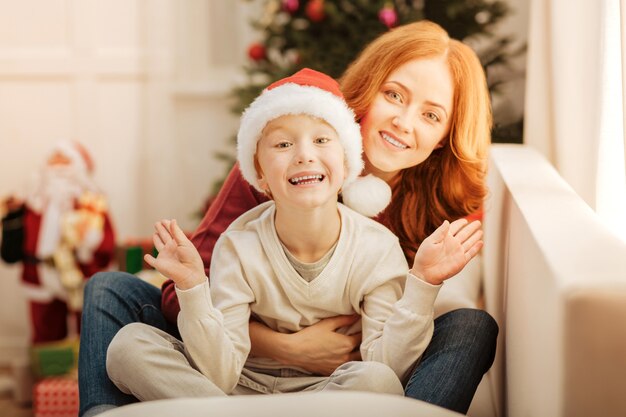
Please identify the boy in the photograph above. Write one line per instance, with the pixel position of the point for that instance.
(291, 262)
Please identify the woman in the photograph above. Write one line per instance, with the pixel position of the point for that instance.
(423, 105)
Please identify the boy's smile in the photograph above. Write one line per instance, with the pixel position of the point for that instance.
(307, 179)
(300, 161)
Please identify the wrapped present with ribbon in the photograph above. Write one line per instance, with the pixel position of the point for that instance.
(56, 397)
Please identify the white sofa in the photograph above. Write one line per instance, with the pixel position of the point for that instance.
(554, 278)
(321, 404)
(555, 281)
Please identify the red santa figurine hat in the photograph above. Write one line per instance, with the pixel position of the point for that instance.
(77, 154)
(315, 94)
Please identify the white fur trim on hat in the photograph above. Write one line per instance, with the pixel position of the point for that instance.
(296, 99)
(368, 195)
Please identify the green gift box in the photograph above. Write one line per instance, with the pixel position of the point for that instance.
(57, 358)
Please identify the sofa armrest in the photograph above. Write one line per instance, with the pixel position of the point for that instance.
(555, 280)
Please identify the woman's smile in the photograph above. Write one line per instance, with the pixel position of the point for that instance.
(394, 141)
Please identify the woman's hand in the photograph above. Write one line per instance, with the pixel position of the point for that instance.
(178, 258)
(317, 348)
(444, 253)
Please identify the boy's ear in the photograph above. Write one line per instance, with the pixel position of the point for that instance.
(262, 183)
(260, 177)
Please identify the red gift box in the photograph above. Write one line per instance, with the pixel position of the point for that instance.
(56, 397)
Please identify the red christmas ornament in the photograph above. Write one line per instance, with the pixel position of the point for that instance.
(290, 6)
(315, 10)
(388, 16)
(256, 52)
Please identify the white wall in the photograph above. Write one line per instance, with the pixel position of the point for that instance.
(142, 83)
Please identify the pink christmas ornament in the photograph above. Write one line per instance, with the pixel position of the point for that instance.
(388, 16)
(290, 6)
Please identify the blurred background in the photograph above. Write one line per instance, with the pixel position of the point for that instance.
(153, 90)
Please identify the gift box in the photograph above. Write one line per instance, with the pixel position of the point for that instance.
(130, 254)
(56, 397)
(54, 358)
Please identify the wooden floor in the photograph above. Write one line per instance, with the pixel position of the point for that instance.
(8, 407)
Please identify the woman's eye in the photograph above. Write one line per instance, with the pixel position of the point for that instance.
(432, 116)
(394, 95)
(322, 140)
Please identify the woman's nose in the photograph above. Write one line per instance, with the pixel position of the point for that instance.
(402, 122)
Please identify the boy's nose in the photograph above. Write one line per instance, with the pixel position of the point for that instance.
(305, 154)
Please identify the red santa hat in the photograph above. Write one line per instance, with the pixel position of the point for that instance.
(76, 153)
(315, 94)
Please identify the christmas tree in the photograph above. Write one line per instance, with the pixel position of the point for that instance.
(328, 34)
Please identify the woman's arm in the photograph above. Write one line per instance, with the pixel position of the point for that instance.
(235, 198)
(317, 348)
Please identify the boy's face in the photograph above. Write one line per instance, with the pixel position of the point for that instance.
(300, 161)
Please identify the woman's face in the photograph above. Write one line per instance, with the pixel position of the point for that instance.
(409, 117)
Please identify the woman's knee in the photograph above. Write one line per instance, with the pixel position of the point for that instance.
(475, 324)
(473, 331)
(103, 283)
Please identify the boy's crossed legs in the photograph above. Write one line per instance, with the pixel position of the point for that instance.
(155, 365)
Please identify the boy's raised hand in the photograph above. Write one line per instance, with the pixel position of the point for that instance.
(447, 250)
(178, 258)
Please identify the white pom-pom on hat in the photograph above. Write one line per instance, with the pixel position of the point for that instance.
(368, 195)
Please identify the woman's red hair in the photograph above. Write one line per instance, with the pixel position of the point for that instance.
(450, 183)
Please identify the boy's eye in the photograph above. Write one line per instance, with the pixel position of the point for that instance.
(322, 140)
(394, 95)
(283, 144)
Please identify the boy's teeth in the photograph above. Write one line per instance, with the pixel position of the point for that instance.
(394, 142)
(307, 179)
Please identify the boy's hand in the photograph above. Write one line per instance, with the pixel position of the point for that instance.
(444, 253)
(178, 258)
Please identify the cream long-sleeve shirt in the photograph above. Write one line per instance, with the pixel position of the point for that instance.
(250, 274)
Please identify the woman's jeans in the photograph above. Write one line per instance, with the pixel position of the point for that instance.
(461, 351)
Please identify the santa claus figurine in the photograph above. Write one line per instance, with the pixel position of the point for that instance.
(62, 234)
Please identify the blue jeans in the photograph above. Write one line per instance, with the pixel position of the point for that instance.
(112, 300)
(461, 351)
